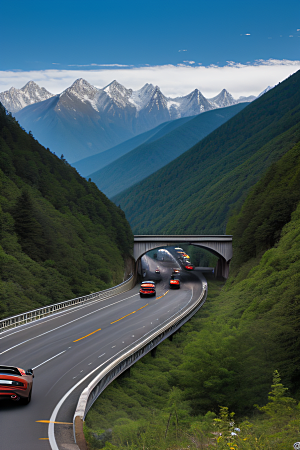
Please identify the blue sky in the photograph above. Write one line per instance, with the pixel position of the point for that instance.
(106, 35)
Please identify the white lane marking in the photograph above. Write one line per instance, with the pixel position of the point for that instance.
(89, 364)
(113, 346)
(75, 320)
(49, 359)
(101, 355)
(51, 435)
(57, 315)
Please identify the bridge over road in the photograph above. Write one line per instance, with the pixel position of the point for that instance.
(219, 245)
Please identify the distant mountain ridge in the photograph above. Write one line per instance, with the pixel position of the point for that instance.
(160, 149)
(84, 120)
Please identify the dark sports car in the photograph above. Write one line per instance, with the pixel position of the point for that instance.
(147, 288)
(16, 383)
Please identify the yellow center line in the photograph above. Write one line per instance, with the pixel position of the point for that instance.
(157, 298)
(87, 335)
(129, 314)
(44, 439)
(49, 421)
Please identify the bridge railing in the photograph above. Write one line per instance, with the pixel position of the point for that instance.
(122, 363)
(39, 313)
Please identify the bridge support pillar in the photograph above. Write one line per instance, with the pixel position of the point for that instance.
(125, 374)
(222, 269)
(153, 352)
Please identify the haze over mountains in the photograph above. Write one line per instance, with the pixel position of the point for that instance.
(84, 120)
(160, 149)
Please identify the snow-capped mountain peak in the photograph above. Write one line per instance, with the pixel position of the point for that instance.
(222, 100)
(16, 99)
(83, 91)
(141, 97)
(265, 91)
(118, 93)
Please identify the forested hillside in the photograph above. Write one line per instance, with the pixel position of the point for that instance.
(158, 151)
(60, 237)
(197, 192)
(227, 355)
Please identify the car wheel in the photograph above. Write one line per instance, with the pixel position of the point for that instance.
(27, 400)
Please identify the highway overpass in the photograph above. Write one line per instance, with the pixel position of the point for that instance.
(219, 245)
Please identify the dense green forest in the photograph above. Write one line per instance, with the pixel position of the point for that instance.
(197, 192)
(216, 373)
(60, 237)
(150, 156)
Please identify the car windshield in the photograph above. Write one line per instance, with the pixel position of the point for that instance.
(9, 371)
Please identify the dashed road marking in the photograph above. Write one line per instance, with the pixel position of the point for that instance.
(49, 359)
(157, 298)
(129, 314)
(99, 329)
(49, 421)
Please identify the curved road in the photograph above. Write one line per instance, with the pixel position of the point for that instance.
(69, 349)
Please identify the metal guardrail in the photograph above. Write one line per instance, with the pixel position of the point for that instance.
(114, 369)
(39, 313)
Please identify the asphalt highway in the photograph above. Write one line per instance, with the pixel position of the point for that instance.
(67, 350)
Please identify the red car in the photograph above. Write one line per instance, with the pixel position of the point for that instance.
(189, 266)
(16, 383)
(174, 283)
(147, 288)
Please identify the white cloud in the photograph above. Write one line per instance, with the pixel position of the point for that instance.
(239, 79)
(99, 65)
(182, 50)
(189, 62)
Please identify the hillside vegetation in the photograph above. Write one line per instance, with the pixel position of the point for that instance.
(60, 237)
(160, 150)
(224, 359)
(197, 192)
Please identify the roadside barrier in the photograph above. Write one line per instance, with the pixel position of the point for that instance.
(90, 394)
(30, 316)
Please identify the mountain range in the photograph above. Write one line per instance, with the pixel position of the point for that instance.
(84, 120)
